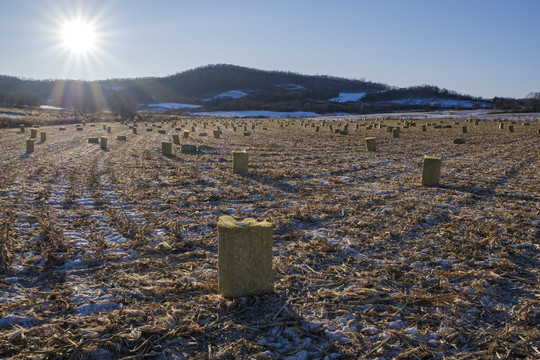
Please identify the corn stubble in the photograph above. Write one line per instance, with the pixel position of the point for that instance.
(114, 254)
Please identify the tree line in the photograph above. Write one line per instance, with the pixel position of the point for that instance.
(8, 99)
(530, 104)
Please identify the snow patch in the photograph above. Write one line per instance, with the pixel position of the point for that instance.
(257, 113)
(171, 106)
(292, 87)
(235, 94)
(445, 103)
(346, 97)
(49, 107)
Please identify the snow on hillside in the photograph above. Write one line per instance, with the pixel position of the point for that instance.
(235, 94)
(292, 87)
(446, 103)
(172, 106)
(346, 97)
(232, 94)
(257, 113)
(112, 87)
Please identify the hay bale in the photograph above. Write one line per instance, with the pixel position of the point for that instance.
(162, 131)
(134, 130)
(176, 139)
(464, 129)
(33, 133)
(240, 162)
(186, 134)
(103, 142)
(121, 137)
(43, 136)
(459, 141)
(371, 144)
(166, 148)
(396, 133)
(29, 146)
(190, 149)
(217, 134)
(431, 171)
(244, 257)
(511, 128)
(93, 140)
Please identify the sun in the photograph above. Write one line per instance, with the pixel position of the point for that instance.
(78, 37)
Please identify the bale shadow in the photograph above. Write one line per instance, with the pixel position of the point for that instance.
(270, 323)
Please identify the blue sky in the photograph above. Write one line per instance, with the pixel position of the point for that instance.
(483, 48)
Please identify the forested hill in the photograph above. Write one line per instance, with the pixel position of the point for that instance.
(230, 87)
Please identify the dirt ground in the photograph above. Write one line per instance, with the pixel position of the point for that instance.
(112, 254)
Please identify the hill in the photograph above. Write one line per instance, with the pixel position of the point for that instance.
(229, 87)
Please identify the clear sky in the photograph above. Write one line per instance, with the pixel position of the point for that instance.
(483, 48)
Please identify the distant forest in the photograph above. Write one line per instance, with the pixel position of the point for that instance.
(266, 90)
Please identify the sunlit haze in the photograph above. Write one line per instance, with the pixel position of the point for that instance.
(483, 48)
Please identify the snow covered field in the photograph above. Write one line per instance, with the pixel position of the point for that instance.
(172, 106)
(257, 113)
(109, 254)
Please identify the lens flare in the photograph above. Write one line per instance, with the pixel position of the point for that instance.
(78, 37)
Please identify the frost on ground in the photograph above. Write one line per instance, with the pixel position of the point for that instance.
(113, 253)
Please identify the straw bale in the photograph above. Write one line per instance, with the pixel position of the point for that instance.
(187, 148)
(240, 162)
(371, 144)
(166, 148)
(431, 171)
(103, 142)
(244, 257)
(29, 146)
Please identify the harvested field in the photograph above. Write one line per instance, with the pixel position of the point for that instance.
(112, 254)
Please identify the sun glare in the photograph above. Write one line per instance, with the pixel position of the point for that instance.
(78, 37)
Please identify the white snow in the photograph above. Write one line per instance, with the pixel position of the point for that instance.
(9, 115)
(49, 107)
(439, 102)
(256, 113)
(346, 97)
(113, 87)
(172, 106)
(291, 87)
(235, 94)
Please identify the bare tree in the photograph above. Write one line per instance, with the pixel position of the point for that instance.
(533, 101)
